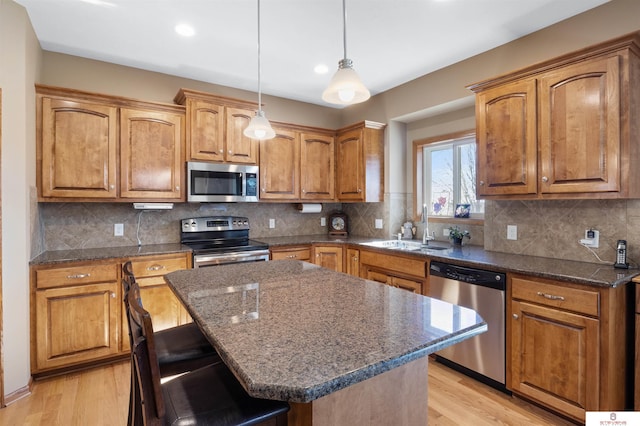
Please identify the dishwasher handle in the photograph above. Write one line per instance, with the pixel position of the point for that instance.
(465, 274)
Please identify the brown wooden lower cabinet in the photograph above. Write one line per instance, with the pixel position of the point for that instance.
(395, 270)
(566, 345)
(294, 252)
(77, 315)
(328, 256)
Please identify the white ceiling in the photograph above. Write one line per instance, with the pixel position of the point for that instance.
(390, 41)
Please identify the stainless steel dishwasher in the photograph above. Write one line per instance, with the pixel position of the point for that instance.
(483, 356)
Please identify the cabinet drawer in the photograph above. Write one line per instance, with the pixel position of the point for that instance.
(571, 299)
(404, 265)
(76, 275)
(157, 266)
(297, 253)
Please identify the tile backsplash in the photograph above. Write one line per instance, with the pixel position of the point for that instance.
(544, 228)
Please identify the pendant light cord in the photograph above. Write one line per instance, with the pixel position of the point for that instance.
(259, 67)
(344, 26)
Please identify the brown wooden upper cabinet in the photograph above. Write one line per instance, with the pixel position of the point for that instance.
(563, 128)
(297, 165)
(214, 128)
(83, 139)
(360, 162)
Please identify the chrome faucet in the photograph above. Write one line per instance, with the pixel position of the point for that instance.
(425, 230)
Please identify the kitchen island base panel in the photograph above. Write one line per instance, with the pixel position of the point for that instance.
(396, 397)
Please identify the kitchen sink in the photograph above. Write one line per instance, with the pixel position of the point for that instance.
(403, 245)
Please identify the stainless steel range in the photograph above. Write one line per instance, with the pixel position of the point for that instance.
(217, 240)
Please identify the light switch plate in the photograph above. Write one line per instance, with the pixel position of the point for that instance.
(512, 232)
(379, 224)
(118, 229)
(272, 223)
(323, 221)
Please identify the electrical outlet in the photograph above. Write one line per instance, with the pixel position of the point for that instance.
(512, 232)
(591, 238)
(323, 221)
(445, 232)
(272, 223)
(118, 229)
(379, 223)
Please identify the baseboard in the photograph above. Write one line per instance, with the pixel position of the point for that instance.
(19, 393)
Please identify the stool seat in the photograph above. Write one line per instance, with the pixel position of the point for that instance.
(183, 348)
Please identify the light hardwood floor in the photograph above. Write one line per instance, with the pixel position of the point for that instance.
(100, 396)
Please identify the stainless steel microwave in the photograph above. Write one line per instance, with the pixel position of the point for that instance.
(221, 183)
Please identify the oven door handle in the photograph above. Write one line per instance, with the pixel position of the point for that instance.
(237, 257)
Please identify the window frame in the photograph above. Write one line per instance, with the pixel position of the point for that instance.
(418, 175)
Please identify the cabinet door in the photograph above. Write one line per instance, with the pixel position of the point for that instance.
(329, 257)
(507, 143)
(205, 131)
(240, 149)
(317, 170)
(353, 262)
(280, 166)
(580, 127)
(413, 286)
(350, 167)
(76, 324)
(555, 358)
(78, 149)
(151, 162)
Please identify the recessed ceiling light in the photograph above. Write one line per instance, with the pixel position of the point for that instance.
(185, 30)
(321, 69)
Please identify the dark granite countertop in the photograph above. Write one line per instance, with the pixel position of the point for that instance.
(60, 256)
(294, 331)
(601, 275)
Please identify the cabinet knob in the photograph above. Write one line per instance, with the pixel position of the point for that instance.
(303, 191)
(113, 295)
(545, 179)
(221, 151)
(515, 316)
(112, 186)
(359, 190)
(355, 258)
(230, 152)
(177, 188)
(262, 190)
(481, 183)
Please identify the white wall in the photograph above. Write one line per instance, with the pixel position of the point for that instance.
(19, 62)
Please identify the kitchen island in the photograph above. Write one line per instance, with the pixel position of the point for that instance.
(341, 349)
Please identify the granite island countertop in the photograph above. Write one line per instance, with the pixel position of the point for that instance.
(293, 331)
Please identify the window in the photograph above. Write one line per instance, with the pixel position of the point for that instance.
(446, 175)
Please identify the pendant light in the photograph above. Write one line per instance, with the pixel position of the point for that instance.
(259, 127)
(345, 87)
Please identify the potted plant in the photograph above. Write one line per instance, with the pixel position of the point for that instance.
(457, 235)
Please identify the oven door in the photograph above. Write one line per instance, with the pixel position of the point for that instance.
(214, 259)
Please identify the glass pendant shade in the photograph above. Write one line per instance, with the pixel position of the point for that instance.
(259, 127)
(345, 87)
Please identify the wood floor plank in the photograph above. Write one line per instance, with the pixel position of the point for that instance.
(100, 396)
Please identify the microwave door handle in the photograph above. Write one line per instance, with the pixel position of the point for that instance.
(243, 184)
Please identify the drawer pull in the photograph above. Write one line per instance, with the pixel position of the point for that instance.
(550, 296)
(78, 276)
(292, 256)
(155, 267)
